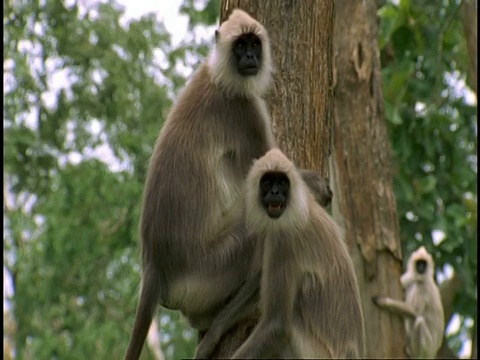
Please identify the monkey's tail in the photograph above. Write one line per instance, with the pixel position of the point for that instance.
(143, 318)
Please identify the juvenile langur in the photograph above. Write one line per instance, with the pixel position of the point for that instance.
(422, 309)
(309, 297)
(196, 251)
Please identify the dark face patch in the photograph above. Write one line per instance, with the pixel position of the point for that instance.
(274, 192)
(247, 52)
(420, 266)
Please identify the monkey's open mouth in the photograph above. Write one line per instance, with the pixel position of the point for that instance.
(249, 70)
(274, 207)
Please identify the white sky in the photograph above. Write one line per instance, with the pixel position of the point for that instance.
(166, 10)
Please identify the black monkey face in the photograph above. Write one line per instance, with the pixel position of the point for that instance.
(274, 192)
(420, 266)
(247, 51)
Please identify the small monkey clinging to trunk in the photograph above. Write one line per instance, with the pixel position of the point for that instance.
(309, 294)
(422, 309)
(196, 251)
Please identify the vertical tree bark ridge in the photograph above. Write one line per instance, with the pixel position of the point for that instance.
(470, 22)
(301, 98)
(364, 202)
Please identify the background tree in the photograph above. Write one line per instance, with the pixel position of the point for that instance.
(364, 202)
(85, 94)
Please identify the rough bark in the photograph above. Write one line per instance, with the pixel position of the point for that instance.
(361, 170)
(470, 26)
(301, 99)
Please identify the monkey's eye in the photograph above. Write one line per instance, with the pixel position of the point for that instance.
(265, 185)
(256, 44)
(284, 185)
(240, 44)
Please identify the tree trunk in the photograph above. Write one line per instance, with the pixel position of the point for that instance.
(470, 25)
(301, 99)
(361, 169)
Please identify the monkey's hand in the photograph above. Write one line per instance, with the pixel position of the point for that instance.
(318, 186)
(376, 300)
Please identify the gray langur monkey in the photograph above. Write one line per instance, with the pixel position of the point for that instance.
(196, 251)
(309, 296)
(422, 309)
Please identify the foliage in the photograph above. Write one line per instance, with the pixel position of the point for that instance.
(433, 128)
(207, 15)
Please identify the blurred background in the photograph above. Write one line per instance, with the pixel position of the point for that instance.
(87, 86)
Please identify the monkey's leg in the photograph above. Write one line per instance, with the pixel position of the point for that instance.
(421, 340)
(395, 306)
(214, 276)
(318, 185)
(267, 338)
(242, 304)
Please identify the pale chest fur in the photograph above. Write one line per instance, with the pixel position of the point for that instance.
(246, 135)
(425, 300)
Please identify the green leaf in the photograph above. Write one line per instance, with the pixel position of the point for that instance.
(427, 184)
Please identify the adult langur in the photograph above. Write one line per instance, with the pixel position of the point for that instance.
(309, 297)
(196, 251)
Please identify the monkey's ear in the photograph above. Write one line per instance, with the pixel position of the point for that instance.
(217, 35)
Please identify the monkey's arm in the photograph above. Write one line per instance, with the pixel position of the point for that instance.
(278, 288)
(395, 306)
(318, 186)
(270, 335)
(242, 304)
(221, 270)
